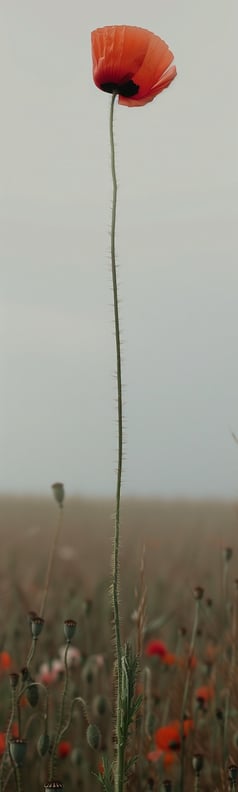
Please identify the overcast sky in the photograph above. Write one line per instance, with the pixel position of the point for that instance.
(177, 252)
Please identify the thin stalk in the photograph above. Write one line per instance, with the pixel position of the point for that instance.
(51, 559)
(186, 689)
(61, 715)
(119, 769)
(8, 732)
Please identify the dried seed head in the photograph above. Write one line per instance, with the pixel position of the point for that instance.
(69, 629)
(53, 785)
(37, 624)
(13, 679)
(17, 750)
(197, 763)
(93, 736)
(43, 744)
(227, 553)
(58, 491)
(232, 773)
(198, 592)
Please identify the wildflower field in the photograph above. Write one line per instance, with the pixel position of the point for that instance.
(172, 553)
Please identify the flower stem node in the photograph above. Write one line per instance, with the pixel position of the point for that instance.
(93, 736)
(17, 750)
(69, 629)
(58, 491)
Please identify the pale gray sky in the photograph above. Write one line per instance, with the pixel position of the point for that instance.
(177, 246)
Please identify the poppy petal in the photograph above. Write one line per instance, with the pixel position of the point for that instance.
(157, 60)
(118, 52)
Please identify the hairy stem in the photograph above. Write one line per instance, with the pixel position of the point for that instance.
(119, 770)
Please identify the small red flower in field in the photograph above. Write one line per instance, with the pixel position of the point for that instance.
(5, 661)
(64, 749)
(169, 757)
(170, 659)
(205, 693)
(131, 62)
(157, 648)
(168, 738)
(2, 743)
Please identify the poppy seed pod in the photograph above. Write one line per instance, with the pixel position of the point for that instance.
(232, 773)
(43, 744)
(37, 624)
(197, 763)
(53, 785)
(93, 736)
(17, 750)
(69, 629)
(32, 692)
(58, 491)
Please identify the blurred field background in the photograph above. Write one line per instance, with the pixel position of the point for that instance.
(182, 542)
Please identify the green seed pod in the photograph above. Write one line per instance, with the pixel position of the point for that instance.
(100, 705)
(93, 736)
(58, 491)
(76, 757)
(17, 750)
(43, 744)
(69, 629)
(37, 625)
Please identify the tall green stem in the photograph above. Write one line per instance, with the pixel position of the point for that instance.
(119, 770)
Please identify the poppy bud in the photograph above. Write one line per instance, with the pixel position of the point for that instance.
(198, 592)
(93, 736)
(69, 629)
(58, 491)
(76, 757)
(17, 750)
(43, 744)
(100, 705)
(36, 626)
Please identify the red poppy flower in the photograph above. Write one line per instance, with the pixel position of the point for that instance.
(5, 661)
(157, 648)
(2, 743)
(205, 693)
(131, 62)
(64, 749)
(168, 738)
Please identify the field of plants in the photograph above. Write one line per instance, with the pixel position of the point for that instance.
(178, 601)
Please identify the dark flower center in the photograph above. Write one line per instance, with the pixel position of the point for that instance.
(128, 88)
